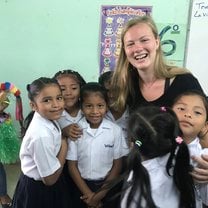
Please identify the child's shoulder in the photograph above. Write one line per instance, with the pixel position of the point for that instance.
(110, 124)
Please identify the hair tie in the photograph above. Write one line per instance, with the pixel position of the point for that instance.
(163, 108)
(138, 143)
(178, 139)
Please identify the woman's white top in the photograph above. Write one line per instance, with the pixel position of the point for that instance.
(40, 147)
(96, 149)
(66, 119)
(164, 192)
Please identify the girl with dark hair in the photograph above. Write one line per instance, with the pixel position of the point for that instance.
(95, 157)
(191, 108)
(158, 164)
(43, 150)
(70, 82)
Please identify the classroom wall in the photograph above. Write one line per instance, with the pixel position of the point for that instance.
(39, 38)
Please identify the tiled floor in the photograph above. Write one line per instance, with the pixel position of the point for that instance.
(13, 172)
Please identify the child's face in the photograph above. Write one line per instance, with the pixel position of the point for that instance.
(49, 102)
(94, 108)
(191, 113)
(70, 90)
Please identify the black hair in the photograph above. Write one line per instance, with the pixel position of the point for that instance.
(156, 129)
(105, 77)
(72, 73)
(93, 87)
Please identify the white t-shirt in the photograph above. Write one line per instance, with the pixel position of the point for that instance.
(40, 147)
(96, 149)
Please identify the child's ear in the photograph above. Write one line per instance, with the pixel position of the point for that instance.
(33, 106)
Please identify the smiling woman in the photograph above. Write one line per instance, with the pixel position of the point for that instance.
(144, 66)
(142, 76)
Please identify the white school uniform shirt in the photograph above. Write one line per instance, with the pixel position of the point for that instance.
(40, 147)
(66, 119)
(122, 122)
(96, 149)
(195, 149)
(164, 191)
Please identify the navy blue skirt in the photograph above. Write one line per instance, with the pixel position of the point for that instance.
(35, 194)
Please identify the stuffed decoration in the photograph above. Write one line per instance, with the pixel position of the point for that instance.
(9, 139)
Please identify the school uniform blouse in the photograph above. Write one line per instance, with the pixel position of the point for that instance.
(122, 122)
(66, 119)
(96, 149)
(164, 192)
(40, 147)
(180, 84)
(195, 149)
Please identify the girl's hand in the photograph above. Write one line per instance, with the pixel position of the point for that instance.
(200, 173)
(73, 131)
(87, 198)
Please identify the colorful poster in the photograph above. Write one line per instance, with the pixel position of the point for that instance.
(113, 19)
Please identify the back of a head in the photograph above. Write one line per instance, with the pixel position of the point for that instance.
(156, 128)
(154, 132)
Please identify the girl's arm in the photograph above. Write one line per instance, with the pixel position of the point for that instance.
(72, 131)
(51, 179)
(76, 176)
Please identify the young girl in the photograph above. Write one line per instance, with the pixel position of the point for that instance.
(43, 150)
(118, 117)
(71, 82)
(191, 108)
(9, 139)
(96, 156)
(158, 168)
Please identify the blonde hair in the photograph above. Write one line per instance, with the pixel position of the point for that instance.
(121, 80)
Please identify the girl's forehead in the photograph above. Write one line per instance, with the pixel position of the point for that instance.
(94, 95)
(192, 100)
(70, 77)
